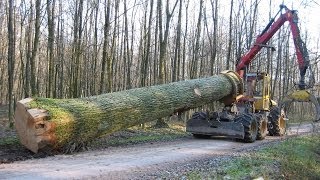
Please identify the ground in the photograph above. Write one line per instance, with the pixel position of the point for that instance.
(132, 154)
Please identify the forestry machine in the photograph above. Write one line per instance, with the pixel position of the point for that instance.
(252, 114)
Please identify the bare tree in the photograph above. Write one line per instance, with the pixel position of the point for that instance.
(177, 52)
(76, 50)
(105, 45)
(28, 37)
(185, 43)
(96, 53)
(34, 89)
(196, 47)
(146, 54)
(50, 50)
(213, 40)
(163, 38)
(11, 60)
(127, 59)
(60, 54)
(230, 36)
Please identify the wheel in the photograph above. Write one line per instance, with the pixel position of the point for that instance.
(262, 126)
(277, 124)
(250, 127)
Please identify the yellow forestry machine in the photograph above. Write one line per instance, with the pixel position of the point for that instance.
(252, 114)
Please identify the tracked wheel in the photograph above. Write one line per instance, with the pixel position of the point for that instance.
(250, 127)
(277, 124)
(262, 126)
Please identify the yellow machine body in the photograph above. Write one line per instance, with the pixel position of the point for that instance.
(262, 102)
(258, 89)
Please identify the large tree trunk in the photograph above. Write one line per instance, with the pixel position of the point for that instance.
(56, 124)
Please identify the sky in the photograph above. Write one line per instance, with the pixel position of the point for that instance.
(309, 17)
(308, 13)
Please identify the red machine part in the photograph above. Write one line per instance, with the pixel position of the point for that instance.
(266, 35)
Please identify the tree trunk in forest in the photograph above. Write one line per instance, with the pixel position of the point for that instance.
(11, 57)
(177, 51)
(68, 124)
(60, 54)
(156, 47)
(279, 57)
(213, 50)
(126, 54)
(230, 37)
(34, 90)
(78, 29)
(164, 38)
(105, 58)
(146, 57)
(184, 51)
(163, 43)
(195, 57)
(51, 91)
(95, 50)
(28, 46)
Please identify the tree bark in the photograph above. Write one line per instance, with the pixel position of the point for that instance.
(230, 37)
(51, 91)
(146, 52)
(95, 49)
(126, 54)
(34, 89)
(184, 51)
(177, 51)
(68, 124)
(163, 42)
(213, 50)
(196, 47)
(11, 59)
(164, 38)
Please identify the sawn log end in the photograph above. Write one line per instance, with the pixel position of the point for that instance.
(33, 128)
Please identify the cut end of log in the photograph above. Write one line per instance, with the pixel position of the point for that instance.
(33, 129)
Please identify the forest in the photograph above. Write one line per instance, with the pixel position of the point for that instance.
(78, 48)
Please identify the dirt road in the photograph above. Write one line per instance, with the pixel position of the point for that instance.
(129, 162)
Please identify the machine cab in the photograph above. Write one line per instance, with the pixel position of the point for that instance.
(258, 88)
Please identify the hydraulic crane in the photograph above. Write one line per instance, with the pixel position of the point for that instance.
(300, 47)
(253, 114)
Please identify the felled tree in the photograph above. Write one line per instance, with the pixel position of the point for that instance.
(52, 124)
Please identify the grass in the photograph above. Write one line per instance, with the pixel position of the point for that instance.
(295, 158)
(9, 141)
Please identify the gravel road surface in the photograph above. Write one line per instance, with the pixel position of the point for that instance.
(147, 161)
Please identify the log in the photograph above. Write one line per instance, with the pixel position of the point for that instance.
(65, 124)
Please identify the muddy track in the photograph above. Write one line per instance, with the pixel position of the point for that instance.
(133, 162)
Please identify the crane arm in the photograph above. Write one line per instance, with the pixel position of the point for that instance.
(266, 35)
